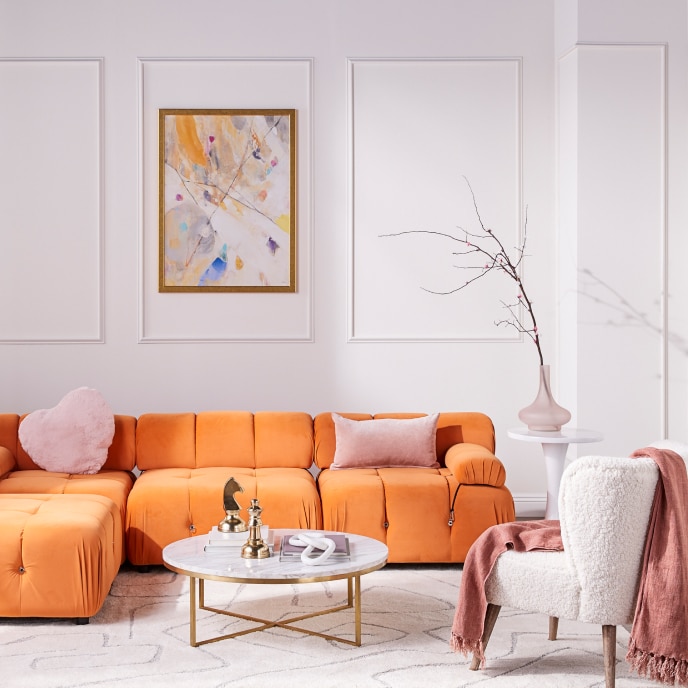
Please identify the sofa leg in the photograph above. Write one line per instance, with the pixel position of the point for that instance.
(81, 620)
(491, 614)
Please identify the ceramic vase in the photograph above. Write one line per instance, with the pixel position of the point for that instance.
(544, 414)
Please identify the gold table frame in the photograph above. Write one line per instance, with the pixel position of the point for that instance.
(353, 600)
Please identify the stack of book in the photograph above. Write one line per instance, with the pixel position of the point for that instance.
(217, 540)
(289, 552)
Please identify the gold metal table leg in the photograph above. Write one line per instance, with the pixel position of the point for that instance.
(353, 600)
(192, 610)
(357, 608)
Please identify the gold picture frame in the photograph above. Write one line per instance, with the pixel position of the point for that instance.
(227, 187)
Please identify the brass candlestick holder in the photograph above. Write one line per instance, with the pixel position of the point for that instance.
(232, 522)
(255, 548)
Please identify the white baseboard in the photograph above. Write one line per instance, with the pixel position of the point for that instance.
(530, 505)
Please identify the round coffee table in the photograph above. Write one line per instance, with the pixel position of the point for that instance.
(188, 558)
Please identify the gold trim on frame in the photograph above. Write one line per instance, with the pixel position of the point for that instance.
(200, 262)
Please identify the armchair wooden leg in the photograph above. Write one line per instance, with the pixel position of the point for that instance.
(491, 614)
(609, 648)
(553, 627)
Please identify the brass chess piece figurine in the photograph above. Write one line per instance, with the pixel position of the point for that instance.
(255, 548)
(232, 522)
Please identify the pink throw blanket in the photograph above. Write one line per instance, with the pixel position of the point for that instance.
(524, 536)
(658, 646)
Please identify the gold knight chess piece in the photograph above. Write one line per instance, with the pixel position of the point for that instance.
(232, 522)
(255, 548)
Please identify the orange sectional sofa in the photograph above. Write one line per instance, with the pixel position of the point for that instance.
(164, 479)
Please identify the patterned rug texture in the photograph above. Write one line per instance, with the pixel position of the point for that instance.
(140, 638)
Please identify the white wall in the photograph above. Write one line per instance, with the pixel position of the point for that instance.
(78, 188)
(622, 144)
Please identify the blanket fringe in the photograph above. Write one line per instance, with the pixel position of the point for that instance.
(667, 670)
(468, 647)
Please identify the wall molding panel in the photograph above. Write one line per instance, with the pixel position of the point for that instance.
(613, 149)
(51, 193)
(444, 119)
(245, 84)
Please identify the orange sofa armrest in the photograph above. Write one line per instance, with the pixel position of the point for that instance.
(7, 461)
(473, 464)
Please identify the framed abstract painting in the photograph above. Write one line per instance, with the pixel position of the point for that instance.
(227, 200)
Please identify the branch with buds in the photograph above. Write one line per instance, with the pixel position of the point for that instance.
(485, 245)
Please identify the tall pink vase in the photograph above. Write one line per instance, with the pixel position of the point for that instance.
(544, 414)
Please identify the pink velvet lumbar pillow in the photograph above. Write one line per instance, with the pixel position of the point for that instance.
(385, 443)
(72, 437)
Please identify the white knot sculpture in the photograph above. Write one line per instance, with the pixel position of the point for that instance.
(311, 542)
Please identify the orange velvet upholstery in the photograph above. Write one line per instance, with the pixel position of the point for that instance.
(7, 462)
(186, 459)
(9, 431)
(284, 440)
(58, 554)
(224, 438)
(409, 508)
(113, 481)
(122, 452)
(114, 485)
(472, 464)
(166, 440)
(61, 535)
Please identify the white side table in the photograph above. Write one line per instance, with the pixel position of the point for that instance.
(554, 447)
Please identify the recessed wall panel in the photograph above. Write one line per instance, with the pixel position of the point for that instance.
(613, 267)
(50, 194)
(229, 85)
(435, 154)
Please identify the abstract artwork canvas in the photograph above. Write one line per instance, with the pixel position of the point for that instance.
(227, 200)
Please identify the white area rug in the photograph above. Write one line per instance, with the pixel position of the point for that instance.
(140, 638)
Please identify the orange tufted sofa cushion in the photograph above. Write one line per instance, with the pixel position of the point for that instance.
(59, 554)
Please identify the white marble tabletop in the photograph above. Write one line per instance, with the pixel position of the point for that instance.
(188, 557)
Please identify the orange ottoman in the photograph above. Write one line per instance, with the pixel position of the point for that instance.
(59, 554)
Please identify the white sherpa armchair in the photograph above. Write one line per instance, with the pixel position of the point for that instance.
(604, 508)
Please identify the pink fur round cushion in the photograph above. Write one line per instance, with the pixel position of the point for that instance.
(72, 437)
